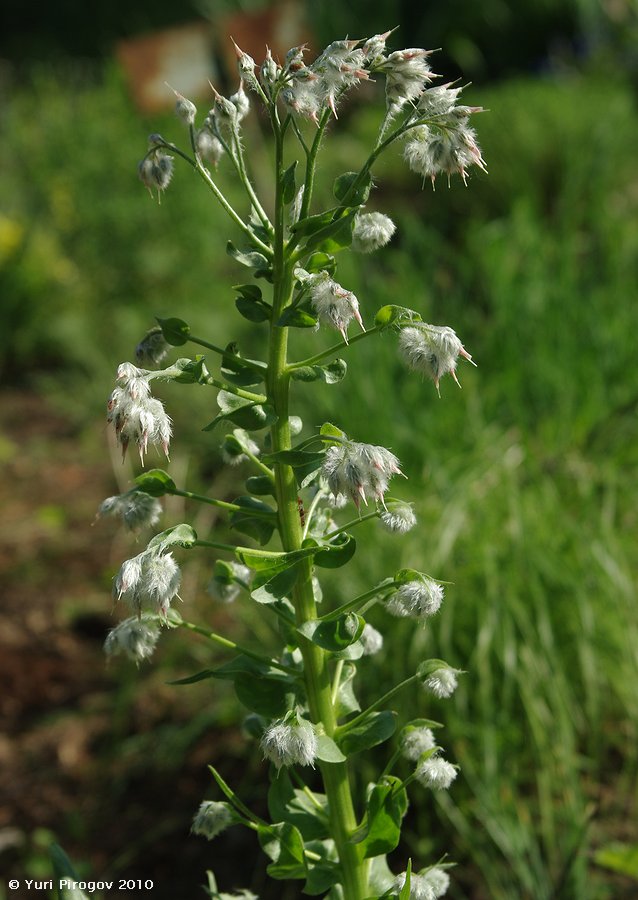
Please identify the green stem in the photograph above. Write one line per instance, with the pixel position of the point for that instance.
(247, 363)
(343, 729)
(351, 524)
(357, 602)
(238, 392)
(343, 821)
(238, 648)
(222, 504)
(342, 345)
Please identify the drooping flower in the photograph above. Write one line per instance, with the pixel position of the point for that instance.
(136, 415)
(156, 170)
(399, 518)
(290, 741)
(149, 580)
(432, 350)
(208, 145)
(359, 471)
(371, 231)
(338, 68)
(407, 73)
(441, 682)
(136, 509)
(134, 637)
(153, 347)
(416, 599)
(211, 819)
(450, 150)
(371, 639)
(438, 879)
(436, 773)
(334, 306)
(428, 884)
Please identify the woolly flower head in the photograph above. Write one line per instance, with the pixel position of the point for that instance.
(436, 773)
(415, 740)
(211, 819)
(136, 509)
(371, 232)
(151, 579)
(450, 150)
(407, 73)
(289, 742)
(371, 640)
(338, 68)
(156, 170)
(136, 415)
(399, 518)
(334, 306)
(359, 470)
(432, 350)
(208, 145)
(135, 637)
(416, 599)
(427, 885)
(440, 680)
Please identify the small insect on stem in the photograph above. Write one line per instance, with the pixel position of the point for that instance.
(302, 512)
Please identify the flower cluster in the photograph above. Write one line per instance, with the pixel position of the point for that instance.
(135, 637)
(449, 150)
(432, 350)
(334, 306)
(136, 415)
(151, 579)
(407, 73)
(416, 599)
(359, 471)
(290, 741)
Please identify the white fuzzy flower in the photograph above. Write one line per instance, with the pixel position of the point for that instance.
(211, 819)
(136, 509)
(439, 100)
(136, 415)
(407, 73)
(432, 350)
(156, 170)
(419, 888)
(185, 109)
(208, 146)
(290, 743)
(399, 518)
(241, 102)
(334, 306)
(359, 471)
(338, 68)
(416, 599)
(442, 682)
(134, 637)
(371, 639)
(150, 579)
(436, 773)
(451, 150)
(371, 231)
(438, 879)
(416, 740)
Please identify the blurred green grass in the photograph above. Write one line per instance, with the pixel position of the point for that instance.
(525, 482)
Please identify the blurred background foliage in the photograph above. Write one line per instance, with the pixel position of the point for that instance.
(525, 482)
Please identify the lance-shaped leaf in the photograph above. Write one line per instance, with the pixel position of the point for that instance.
(262, 561)
(289, 804)
(284, 845)
(250, 258)
(256, 519)
(268, 588)
(269, 695)
(374, 729)
(179, 535)
(335, 634)
(229, 671)
(344, 187)
(288, 186)
(155, 482)
(331, 374)
(330, 430)
(245, 413)
(387, 805)
(312, 224)
(335, 236)
(176, 331)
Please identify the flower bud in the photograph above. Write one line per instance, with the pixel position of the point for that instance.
(416, 599)
(439, 679)
(208, 146)
(241, 102)
(185, 109)
(371, 232)
(416, 740)
(135, 637)
(290, 741)
(156, 170)
(334, 306)
(211, 819)
(269, 71)
(245, 64)
(399, 518)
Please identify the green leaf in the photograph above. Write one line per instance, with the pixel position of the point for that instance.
(242, 412)
(321, 262)
(312, 224)
(288, 186)
(284, 845)
(347, 702)
(249, 291)
(619, 857)
(375, 729)
(176, 332)
(337, 553)
(250, 258)
(63, 870)
(252, 310)
(343, 184)
(335, 634)
(261, 485)
(260, 527)
(309, 815)
(335, 236)
(191, 371)
(229, 671)
(179, 535)
(236, 371)
(327, 750)
(405, 892)
(330, 430)
(394, 315)
(275, 562)
(331, 374)
(386, 807)
(275, 587)
(296, 317)
(155, 482)
(271, 696)
(295, 458)
(321, 876)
